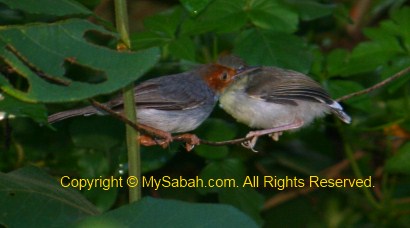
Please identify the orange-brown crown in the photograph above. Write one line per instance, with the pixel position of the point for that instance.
(218, 77)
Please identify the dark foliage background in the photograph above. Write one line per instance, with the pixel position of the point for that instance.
(56, 54)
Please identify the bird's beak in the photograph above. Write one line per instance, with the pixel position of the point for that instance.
(249, 70)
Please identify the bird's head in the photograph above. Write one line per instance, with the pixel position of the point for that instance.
(221, 74)
(218, 77)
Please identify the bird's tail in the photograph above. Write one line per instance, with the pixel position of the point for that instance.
(337, 109)
(86, 111)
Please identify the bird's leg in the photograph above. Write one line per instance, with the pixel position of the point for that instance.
(275, 133)
(190, 140)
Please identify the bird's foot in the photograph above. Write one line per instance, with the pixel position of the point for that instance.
(273, 132)
(161, 138)
(190, 140)
(164, 141)
(250, 144)
(146, 140)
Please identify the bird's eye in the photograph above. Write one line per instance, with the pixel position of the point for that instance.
(224, 76)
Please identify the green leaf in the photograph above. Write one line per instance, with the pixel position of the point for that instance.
(48, 57)
(224, 169)
(196, 26)
(385, 43)
(48, 7)
(165, 23)
(92, 163)
(262, 47)
(397, 109)
(101, 198)
(155, 157)
(336, 61)
(339, 88)
(272, 15)
(146, 213)
(18, 108)
(148, 39)
(234, 192)
(195, 6)
(215, 130)
(294, 213)
(41, 199)
(164, 30)
(91, 4)
(246, 199)
(399, 63)
(367, 56)
(311, 9)
(227, 16)
(99, 133)
(399, 25)
(183, 48)
(400, 162)
(317, 68)
(220, 16)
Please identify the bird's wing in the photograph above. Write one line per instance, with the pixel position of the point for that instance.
(285, 87)
(174, 92)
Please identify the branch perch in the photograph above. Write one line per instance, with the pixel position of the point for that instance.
(165, 137)
(139, 127)
(376, 86)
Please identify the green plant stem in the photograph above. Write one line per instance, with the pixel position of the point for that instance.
(134, 157)
(133, 147)
(121, 19)
(358, 173)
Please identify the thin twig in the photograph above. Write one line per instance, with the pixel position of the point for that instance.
(166, 137)
(255, 135)
(139, 127)
(162, 134)
(376, 86)
(224, 143)
(158, 133)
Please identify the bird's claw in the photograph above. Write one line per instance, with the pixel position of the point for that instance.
(273, 132)
(146, 140)
(190, 140)
(250, 144)
(165, 138)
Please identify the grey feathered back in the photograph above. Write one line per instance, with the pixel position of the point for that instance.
(157, 93)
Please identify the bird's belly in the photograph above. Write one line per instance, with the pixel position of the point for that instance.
(258, 113)
(174, 121)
